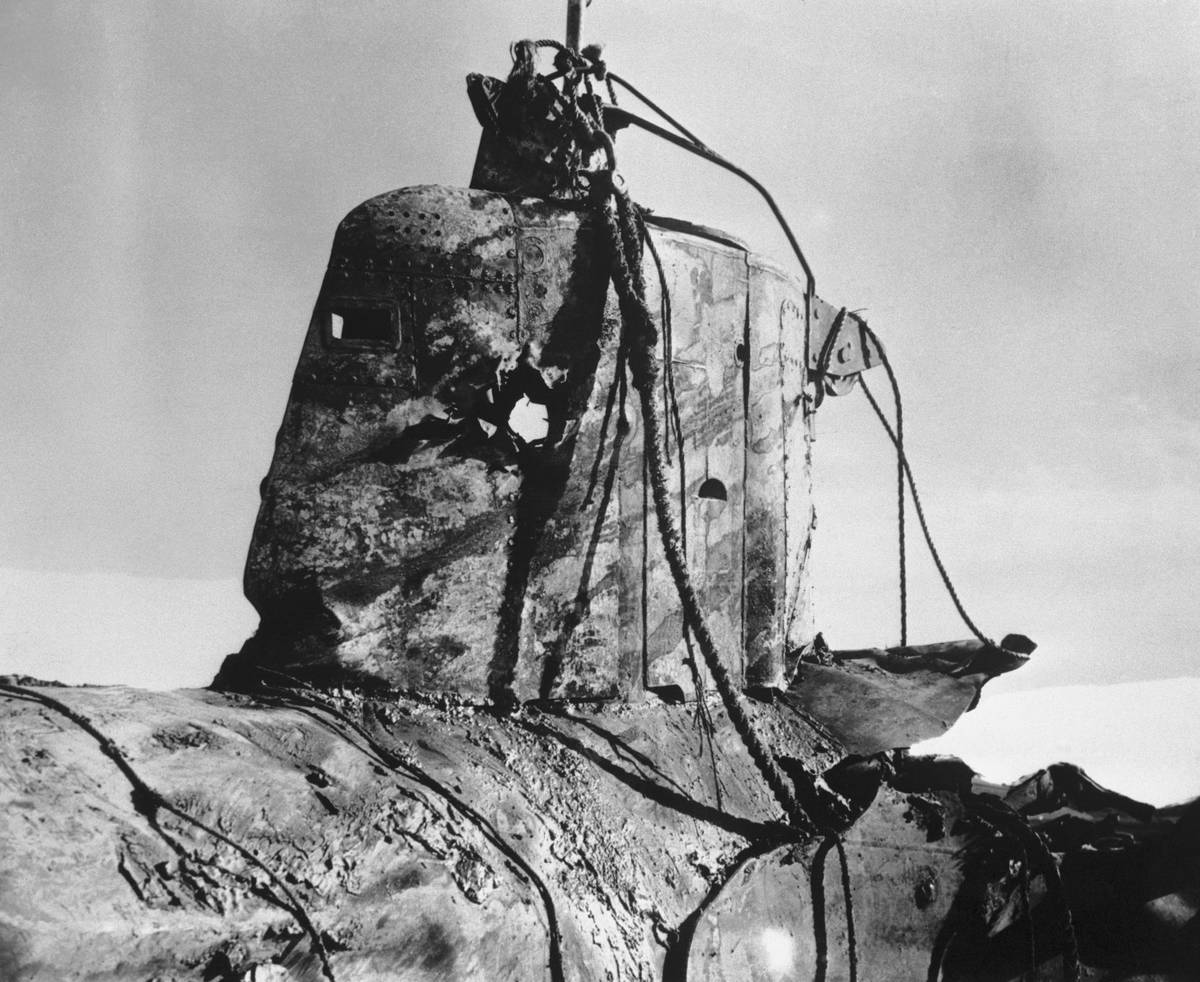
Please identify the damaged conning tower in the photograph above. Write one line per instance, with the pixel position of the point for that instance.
(458, 498)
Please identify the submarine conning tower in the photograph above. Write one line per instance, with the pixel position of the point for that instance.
(458, 501)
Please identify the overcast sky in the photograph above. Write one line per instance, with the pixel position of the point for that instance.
(1008, 189)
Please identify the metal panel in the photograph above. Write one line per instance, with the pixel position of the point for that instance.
(853, 351)
(785, 915)
(571, 617)
(372, 537)
(707, 285)
(799, 515)
(766, 549)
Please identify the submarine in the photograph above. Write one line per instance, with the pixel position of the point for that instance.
(458, 497)
(539, 513)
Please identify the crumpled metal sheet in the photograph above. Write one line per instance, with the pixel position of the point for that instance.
(875, 699)
(413, 535)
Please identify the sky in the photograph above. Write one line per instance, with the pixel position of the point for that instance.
(1007, 191)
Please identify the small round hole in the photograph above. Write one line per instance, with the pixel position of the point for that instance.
(739, 353)
(713, 489)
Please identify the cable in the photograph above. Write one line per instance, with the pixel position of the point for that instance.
(933, 552)
(822, 369)
(619, 116)
(146, 800)
(851, 942)
(641, 336)
(398, 764)
(656, 108)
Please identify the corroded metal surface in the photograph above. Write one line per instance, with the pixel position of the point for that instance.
(620, 827)
(414, 529)
(782, 916)
(707, 286)
(432, 842)
(524, 146)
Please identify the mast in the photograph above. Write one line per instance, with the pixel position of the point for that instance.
(574, 23)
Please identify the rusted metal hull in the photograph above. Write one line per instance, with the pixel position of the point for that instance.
(633, 865)
(412, 532)
(575, 846)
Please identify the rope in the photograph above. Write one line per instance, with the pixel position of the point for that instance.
(669, 396)
(906, 470)
(656, 108)
(641, 337)
(620, 116)
(851, 943)
(625, 233)
(825, 355)
(816, 885)
(819, 917)
(679, 941)
(703, 717)
(590, 63)
(692, 144)
(146, 800)
(887, 365)
(615, 399)
(822, 369)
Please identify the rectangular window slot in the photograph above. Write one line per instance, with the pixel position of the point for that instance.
(361, 324)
